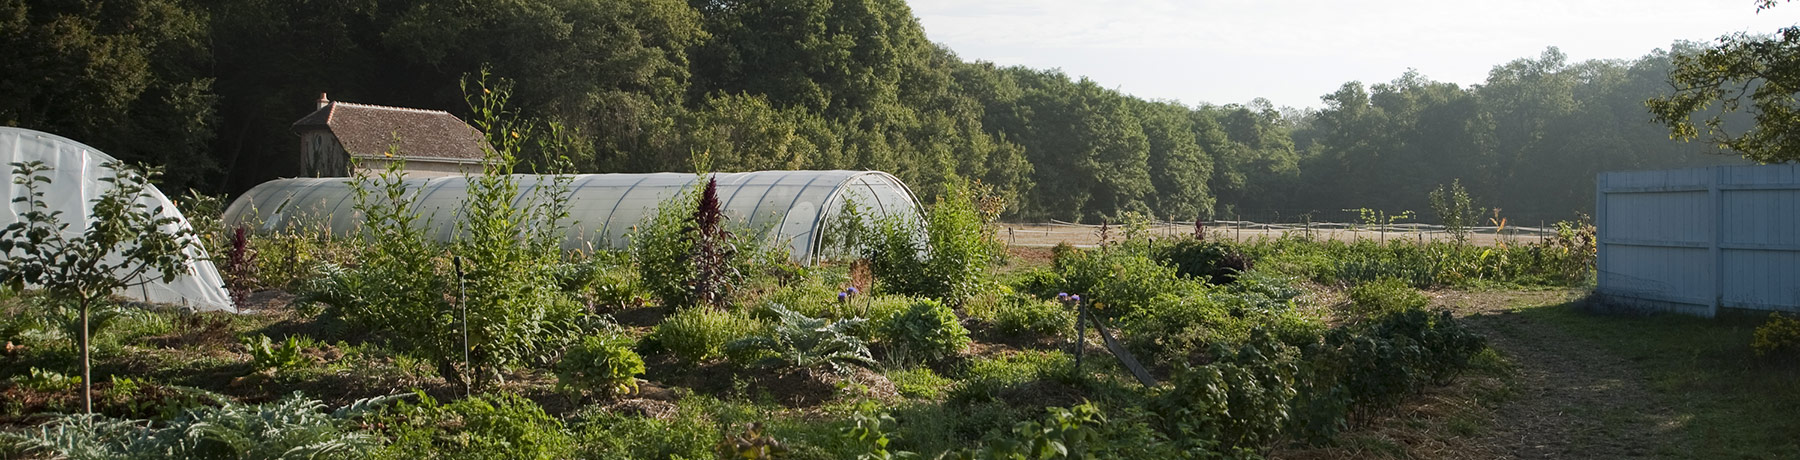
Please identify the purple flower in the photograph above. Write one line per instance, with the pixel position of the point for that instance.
(1063, 296)
(1076, 297)
(852, 290)
(843, 295)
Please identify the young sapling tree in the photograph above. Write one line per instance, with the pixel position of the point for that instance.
(125, 244)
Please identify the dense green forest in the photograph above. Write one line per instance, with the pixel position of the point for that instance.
(208, 89)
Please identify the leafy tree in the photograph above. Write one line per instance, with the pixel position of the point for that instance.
(1758, 75)
(127, 77)
(124, 244)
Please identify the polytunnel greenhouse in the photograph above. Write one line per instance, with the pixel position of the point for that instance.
(786, 207)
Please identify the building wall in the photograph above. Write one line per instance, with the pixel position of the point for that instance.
(322, 156)
(423, 168)
(1697, 240)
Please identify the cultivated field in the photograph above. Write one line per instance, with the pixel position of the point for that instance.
(1051, 234)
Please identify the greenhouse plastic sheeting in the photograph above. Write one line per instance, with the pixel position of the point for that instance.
(786, 207)
(75, 175)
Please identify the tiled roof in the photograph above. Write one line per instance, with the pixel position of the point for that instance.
(368, 130)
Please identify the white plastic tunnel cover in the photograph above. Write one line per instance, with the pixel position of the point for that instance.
(75, 174)
(791, 208)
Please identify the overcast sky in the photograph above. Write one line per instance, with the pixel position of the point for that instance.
(1294, 51)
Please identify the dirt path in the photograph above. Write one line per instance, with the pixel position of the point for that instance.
(1571, 399)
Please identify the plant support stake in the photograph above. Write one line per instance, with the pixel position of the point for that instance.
(462, 302)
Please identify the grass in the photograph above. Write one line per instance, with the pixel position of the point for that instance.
(1725, 402)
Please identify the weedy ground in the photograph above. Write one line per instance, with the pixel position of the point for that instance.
(1569, 381)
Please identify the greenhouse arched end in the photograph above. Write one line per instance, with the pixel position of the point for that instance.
(788, 207)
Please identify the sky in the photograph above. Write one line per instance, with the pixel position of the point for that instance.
(1292, 52)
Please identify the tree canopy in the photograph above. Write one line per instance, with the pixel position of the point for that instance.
(209, 89)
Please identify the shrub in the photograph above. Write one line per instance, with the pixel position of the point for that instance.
(1208, 261)
(490, 426)
(798, 341)
(1064, 433)
(1236, 405)
(1117, 280)
(698, 334)
(1017, 315)
(927, 330)
(1386, 296)
(1781, 333)
(952, 261)
(603, 362)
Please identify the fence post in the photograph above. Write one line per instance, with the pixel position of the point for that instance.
(1600, 230)
(1716, 199)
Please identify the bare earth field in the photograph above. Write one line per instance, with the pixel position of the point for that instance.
(1050, 234)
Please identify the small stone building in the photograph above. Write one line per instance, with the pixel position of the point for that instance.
(433, 142)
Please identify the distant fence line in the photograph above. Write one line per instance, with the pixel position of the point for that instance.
(1054, 231)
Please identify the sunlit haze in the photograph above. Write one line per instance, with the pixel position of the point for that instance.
(1292, 52)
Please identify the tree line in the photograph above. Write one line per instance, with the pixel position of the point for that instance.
(209, 89)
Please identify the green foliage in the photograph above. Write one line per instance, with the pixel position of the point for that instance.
(926, 330)
(1385, 296)
(1064, 433)
(1740, 68)
(1117, 280)
(41, 380)
(266, 355)
(869, 438)
(1020, 315)
(798, 341)
(989, 378)
(604, 363)
(696, 335)
(663, 249)
(1455, 211)
(1213, 262)
(688, 433)
(405, 284)
(488, 426)
(919, 382)
(1780, 334)
(291, 428)
(952, 261)
(124, 243)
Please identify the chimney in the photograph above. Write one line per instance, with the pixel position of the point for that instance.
(323, 101)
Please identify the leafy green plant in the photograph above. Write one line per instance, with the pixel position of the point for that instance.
(404, 285)
(951, 260)
(124, 243)
(869, 437)
(1019, 315)
(603, 361)
(1375, 299)
(487, 426)
(927, 330)
(752, 443)
(919, 382)
(1237, 404)
(41, 380)
(1780, 334)
(801, 342)
(698, 334)
(1454, 210)
(266, 355)
(291, 428)
(1210, 261)
(1064, 433)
